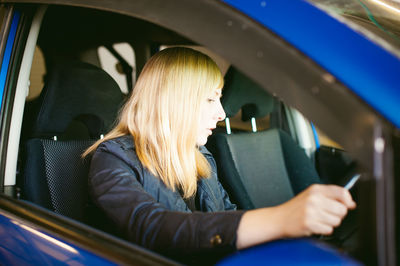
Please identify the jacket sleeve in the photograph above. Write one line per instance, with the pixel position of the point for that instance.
(115, 189)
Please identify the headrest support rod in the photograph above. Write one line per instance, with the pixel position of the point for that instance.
(253, 124)
(228, 126)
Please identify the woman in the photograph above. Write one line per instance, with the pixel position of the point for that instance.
(153, 177)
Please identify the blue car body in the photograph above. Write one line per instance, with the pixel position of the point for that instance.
(364, 67)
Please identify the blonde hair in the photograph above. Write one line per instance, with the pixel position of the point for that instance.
(163, 112)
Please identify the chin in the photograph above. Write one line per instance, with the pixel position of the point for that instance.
(201, 141)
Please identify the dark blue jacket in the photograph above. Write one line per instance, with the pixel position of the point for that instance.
(150, 214)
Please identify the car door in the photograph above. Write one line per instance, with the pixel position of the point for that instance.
(269, 54)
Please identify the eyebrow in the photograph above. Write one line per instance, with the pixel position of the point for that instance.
(219, 94)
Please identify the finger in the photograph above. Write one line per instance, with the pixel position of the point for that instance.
(325, 223)
(322, 229)
(333, 207)
(340, 194)
(328, 219)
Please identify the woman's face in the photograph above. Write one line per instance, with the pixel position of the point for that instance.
(211, 113)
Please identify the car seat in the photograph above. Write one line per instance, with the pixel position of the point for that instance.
(78, 104)
(258, 169)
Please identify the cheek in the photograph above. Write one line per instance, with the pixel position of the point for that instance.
(205, 115)
(202, 122)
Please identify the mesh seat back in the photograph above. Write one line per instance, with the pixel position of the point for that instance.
(63, 188)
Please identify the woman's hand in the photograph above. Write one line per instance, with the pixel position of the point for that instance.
(317, 210)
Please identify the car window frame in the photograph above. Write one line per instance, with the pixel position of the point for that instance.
(372, 125)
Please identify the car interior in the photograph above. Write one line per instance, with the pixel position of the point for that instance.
(259, 157)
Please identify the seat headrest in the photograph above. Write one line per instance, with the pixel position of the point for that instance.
(241, 92)
(77, 90)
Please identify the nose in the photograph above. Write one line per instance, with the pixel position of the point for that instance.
(220, 113)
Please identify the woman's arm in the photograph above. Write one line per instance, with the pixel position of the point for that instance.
(115, 189)
(317, 210)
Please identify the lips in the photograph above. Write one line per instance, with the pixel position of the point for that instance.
(209, 130)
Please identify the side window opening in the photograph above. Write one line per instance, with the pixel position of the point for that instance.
(115, 67)
(37, 75)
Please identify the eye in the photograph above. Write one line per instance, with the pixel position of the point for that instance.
(210, 100)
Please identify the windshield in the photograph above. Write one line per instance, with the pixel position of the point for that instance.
(379, 20)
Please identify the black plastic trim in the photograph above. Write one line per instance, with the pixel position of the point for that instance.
(5, 28)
